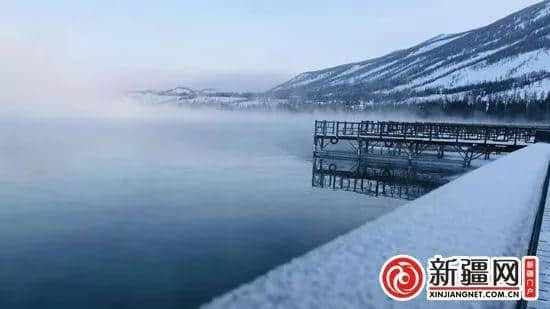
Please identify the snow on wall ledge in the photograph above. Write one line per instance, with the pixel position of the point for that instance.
(489, 211)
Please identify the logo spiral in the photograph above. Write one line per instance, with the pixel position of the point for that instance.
(402, 277)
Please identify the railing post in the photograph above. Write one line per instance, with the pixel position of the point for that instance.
(345, 128)
(315, 127)
(506, 134)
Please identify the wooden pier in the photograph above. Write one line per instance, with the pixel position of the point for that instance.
(412, 139)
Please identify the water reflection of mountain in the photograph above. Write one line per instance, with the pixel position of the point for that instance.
(378, 177)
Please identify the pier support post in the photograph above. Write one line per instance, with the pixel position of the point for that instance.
(440, 151)
(468, 155)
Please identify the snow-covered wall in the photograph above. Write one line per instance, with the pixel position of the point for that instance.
(489, 211)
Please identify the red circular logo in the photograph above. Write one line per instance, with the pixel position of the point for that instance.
(402, 277)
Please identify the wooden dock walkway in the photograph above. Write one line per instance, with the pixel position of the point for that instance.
(412, 139)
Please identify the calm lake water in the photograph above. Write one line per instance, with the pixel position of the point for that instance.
(159, 212)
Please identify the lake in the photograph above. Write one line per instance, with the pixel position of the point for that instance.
(160, 211)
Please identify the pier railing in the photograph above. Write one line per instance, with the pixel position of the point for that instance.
(429, 131)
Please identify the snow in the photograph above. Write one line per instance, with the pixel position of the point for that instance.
(378, 69)
(310, 77)
(486, 212)
(353, 69)
(433, 44)
(544, 259)
(370, 73)
(431, 98)
(260, 102)
(233, 101)
(373, 68)
(453, 75)
(152, 98)
(504, 69)
(540, 87)
(403, 70)
(307, 78)
(180, 90)
(211, 99)
(439, 37)
(434, 65)
(542, 13)
(413, 68)
(444, 71)
(338, 79)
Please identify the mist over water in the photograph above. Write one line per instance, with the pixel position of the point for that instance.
(158, 206)
(111, 204)
(106, 203)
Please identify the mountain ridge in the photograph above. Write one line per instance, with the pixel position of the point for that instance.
(507, 55)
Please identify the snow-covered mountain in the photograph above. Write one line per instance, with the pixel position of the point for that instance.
(511, 55)
(179, 91)
(188, 96)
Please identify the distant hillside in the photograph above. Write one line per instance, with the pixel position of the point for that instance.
(507, 59)
(210, 97)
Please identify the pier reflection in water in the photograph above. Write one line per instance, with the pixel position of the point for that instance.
(384, 178)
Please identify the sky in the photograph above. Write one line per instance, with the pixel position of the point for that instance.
(239, 45)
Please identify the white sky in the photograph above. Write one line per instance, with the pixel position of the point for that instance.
(229, 45)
